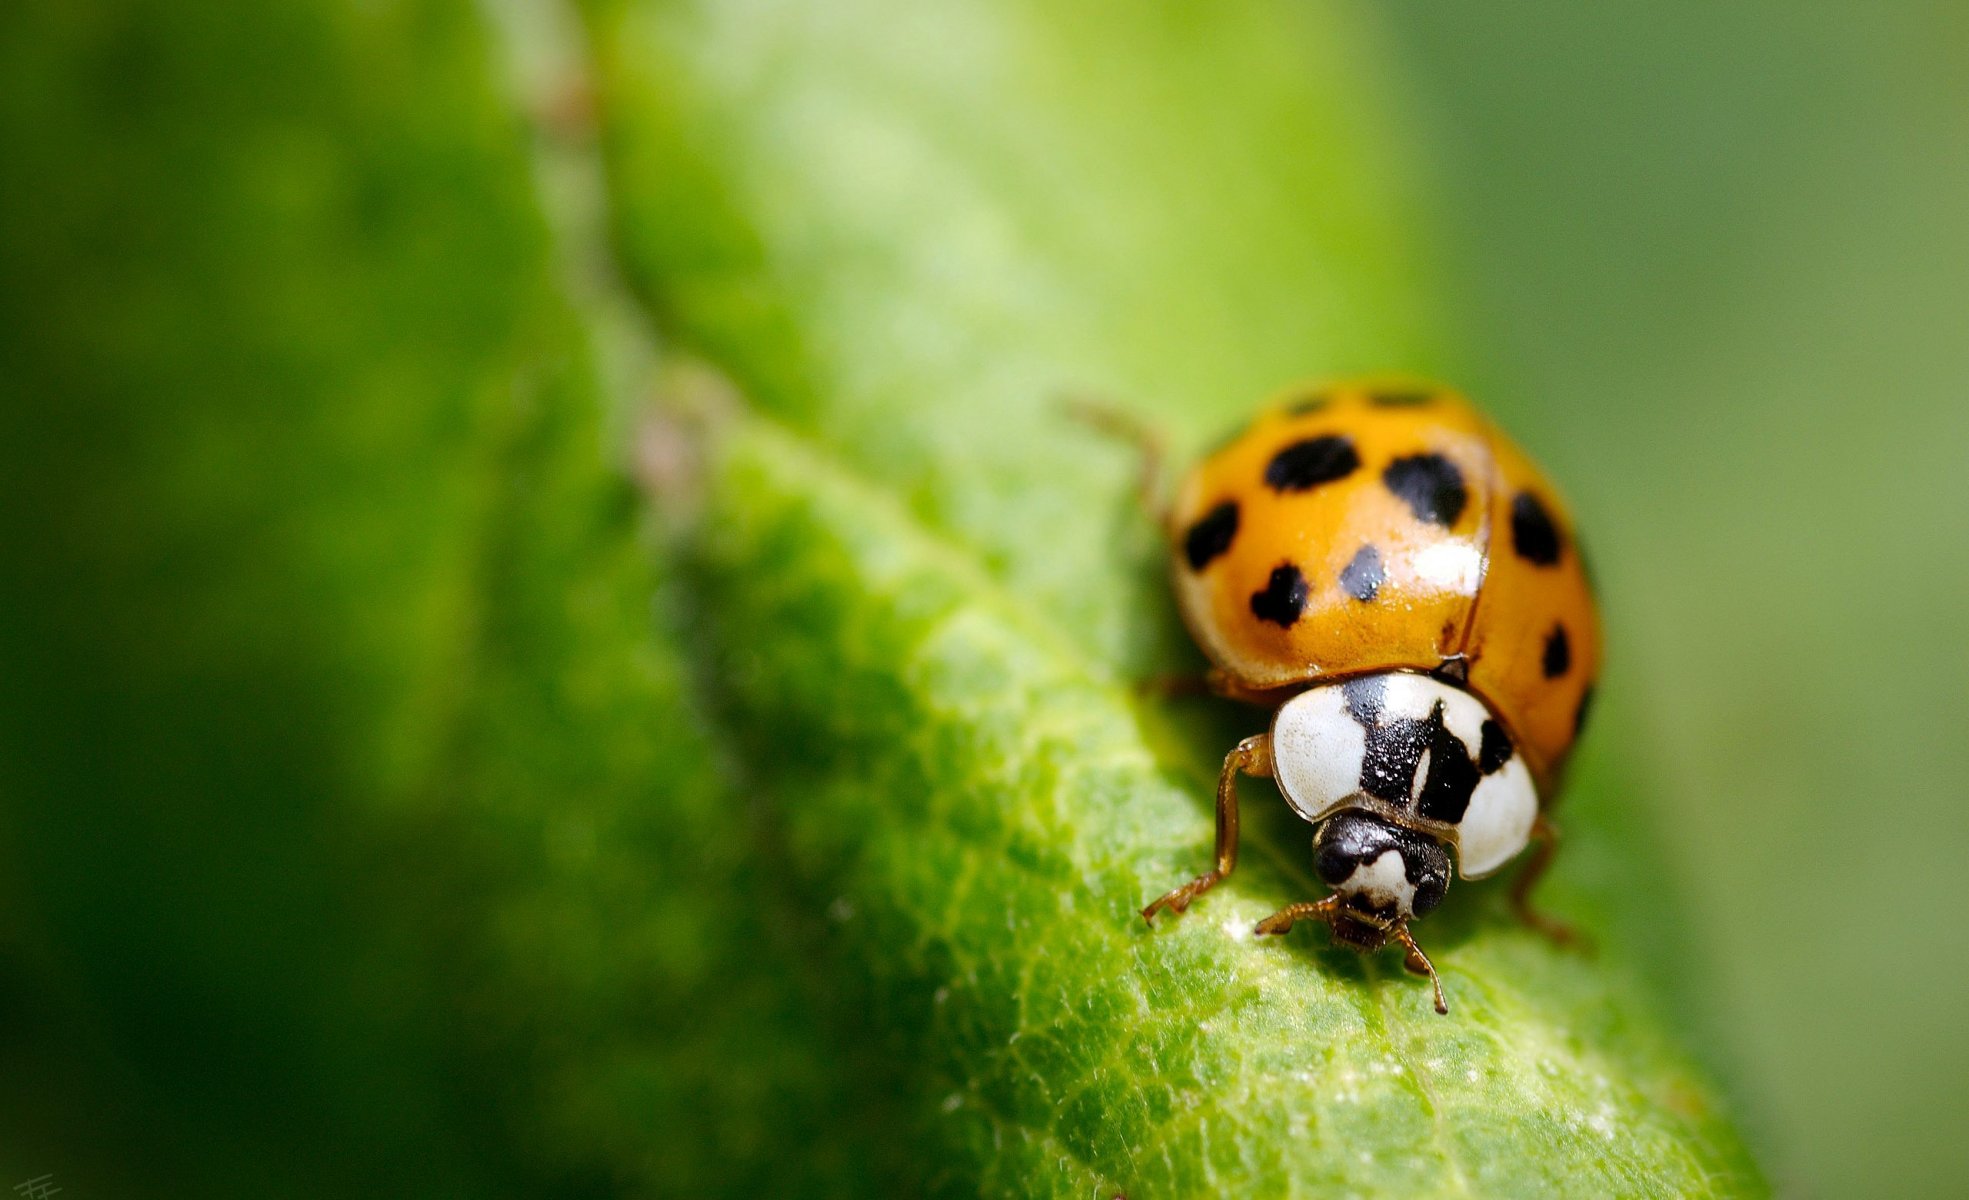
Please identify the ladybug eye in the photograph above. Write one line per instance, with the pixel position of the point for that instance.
(1430, 888)
(1334, 864)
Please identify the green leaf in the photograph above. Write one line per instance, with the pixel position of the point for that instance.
(361, 828)
(925, 594)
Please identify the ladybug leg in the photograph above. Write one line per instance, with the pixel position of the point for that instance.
(1282, 920)
(1252, 756)
(1418, 964)
(1123, 426)
(1173, 686)
(1546, 835)
(1220, 683)
(1213, 682)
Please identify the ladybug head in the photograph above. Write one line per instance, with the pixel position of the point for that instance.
(1382, 874)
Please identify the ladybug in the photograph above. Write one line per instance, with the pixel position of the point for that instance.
(1402, 586)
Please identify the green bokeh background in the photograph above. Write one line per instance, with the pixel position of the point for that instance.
(1710, 263)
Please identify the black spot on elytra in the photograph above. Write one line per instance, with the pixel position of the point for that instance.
(1533, 534)
(1362, 577)
(1401, 398)
(1430, 485)
(1283, 597)
(1497, 749)
(1558, 653)
(1305, 465)
(1579, 714)
(1211, 535)
(1309, 405)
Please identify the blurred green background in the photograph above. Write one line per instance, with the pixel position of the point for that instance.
(1709, 262)
(1715, 259)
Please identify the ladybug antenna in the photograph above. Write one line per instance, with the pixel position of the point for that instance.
(1418, 963)
(1350, 929)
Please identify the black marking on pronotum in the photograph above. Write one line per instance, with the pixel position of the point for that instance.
(1362, 577)
(1309, 405)
(1211, 535)
(1579, 714)
(1400, 398)
(1283, 597)
(1364, 697)
(1430, 485)
(1533, 534)
(1558, 653)
(1497, 749)
(1452, 776)
(1395, 750)
(1304, 465)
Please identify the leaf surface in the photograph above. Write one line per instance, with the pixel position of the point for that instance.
(361, 824)
(925, 595)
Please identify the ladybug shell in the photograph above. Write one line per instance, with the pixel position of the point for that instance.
(1375, 527)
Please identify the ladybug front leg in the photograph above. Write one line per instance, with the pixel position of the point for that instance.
(1282, 921)
(1546, 835)
(1252, 756)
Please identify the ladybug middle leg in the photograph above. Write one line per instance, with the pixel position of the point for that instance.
(1252, 756)
(1546, 835)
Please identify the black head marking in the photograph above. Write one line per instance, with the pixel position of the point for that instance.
(1430, 485)
(1400, 397)
(1558, 653)
(1497, 749)
(1211, 535)
(1348, 841)
(1533, 534)
(1362, 577)
(1309, 405)
(1579, 714)
(1283, 597)
(1305, 465)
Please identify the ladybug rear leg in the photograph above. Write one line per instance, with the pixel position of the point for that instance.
(1546, 835)
(1252, 756)
(1213, 682)
(1123, 426)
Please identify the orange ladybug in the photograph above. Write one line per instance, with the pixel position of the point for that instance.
(1378, 564)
